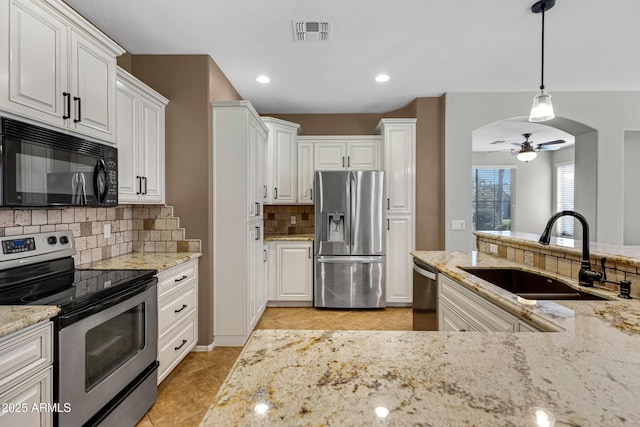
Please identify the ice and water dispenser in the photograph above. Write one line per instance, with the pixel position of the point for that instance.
(336, 227)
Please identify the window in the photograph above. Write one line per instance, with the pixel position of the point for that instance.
(564, 202)
(494, 194)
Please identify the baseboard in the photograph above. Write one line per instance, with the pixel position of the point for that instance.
(203, 348)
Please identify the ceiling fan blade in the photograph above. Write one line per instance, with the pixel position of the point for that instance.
(519, 144)
(557, 141)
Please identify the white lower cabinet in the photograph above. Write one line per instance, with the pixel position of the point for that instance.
(399, 277)
(461, 309)
(26, 376)
(290, 272)
(177, 315)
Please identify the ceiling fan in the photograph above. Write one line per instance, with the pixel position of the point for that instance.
(528, 151)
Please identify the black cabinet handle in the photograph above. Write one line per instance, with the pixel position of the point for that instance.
(348, 161)
(388, 204)
(311, 193)
(139, 179)
(342, 161)
(181, 345)
(79, 110)
(388, 224)
(257, 209)
(276, 192)
(257, 233)
(180, 279)
(180, 309)
(264, 191)
(264, 255)
(309, 250)
(145, 184)
(67, 114)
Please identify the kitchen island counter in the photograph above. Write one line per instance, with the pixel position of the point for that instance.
(16, 317)
(584, 375)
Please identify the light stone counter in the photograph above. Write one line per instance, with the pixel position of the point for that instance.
(143, 260)
(586, 375)
(289, 237)
(14, 317)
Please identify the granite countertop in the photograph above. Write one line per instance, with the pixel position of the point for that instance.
(13, 317)
(585, 375)
(290, 237)
(143, 260)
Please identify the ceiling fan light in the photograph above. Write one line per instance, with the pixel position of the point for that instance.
(542, 109)
(526, 156)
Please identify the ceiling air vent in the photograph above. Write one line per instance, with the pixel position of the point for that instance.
(311, 30)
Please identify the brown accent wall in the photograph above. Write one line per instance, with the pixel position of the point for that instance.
(190, 82)
(429, 113)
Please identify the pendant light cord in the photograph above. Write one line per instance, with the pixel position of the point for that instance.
(542, 62)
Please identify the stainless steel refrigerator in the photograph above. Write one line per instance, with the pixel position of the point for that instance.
(349, 244)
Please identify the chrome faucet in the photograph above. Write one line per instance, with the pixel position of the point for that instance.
(586, 276)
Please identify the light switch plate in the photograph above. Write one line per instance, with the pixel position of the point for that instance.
(493, 248)
(457, 224)
(106, 228)
(293, 219)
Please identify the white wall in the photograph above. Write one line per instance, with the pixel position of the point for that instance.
(533, 187)
(631, 192)
(464, 112)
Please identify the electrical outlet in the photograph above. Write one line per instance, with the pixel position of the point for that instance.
(293, 220)
(457, 224)
(493, 248)
(106, 229)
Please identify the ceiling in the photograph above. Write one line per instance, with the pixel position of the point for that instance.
(427, 47)
(504, 134)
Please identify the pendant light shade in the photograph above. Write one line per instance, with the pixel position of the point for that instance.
(542, 109)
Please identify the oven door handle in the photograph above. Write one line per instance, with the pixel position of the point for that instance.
(74, 316)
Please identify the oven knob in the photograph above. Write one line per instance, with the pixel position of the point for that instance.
(64, 240)
(52, 240)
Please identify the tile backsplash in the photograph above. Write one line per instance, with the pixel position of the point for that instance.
(134, 228)
(277, 219)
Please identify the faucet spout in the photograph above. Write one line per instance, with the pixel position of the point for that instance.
(586, 276)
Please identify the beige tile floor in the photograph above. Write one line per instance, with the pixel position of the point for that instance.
(186, 394)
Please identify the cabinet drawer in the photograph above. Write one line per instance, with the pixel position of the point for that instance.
(176, 305)
(168, 279)
(174, 347)
(26, 350)
(20, 399)
(480, 312)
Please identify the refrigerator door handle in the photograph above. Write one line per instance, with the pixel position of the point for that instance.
(350, 260)
(352, 211)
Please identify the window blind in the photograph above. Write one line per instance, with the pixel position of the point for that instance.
(565, 198)
(493, 203)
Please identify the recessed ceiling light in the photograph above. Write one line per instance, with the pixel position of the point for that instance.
(263, 79)
(382, 78)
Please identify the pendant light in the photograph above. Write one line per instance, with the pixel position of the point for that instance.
(542, 109)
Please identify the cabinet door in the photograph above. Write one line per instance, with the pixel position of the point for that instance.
(283, 155)
(93, 79)
(152, 149)
(399, 262)
(399, 143)
(253, 236)
(305, 173)
(255, 150)
(294, 271)
(36, 64)
(127, 136)
(329, 156)
(363, 155)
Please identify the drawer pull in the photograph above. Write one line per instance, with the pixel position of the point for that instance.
(181, 279)
(180, 346)
(180, 309)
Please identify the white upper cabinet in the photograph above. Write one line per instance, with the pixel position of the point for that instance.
(360, 152)
(56, 68)
(141, 140)
(282, 161)
(305, 173)
(399, 163)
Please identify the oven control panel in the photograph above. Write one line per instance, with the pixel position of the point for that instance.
(15, 246)
(36, 247)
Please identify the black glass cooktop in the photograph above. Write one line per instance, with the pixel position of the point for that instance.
(58, 283)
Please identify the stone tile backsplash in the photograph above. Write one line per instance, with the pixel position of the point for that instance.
(558, 261)
(277, 219)
(134, 228)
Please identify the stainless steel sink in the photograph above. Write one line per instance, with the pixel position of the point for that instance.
(530, 285)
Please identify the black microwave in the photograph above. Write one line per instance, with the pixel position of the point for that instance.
(40, 167)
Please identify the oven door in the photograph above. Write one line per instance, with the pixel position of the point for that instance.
(101, 354)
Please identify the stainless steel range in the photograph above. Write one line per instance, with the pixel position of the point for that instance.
(105, 364)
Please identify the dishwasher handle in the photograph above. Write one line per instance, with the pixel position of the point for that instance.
(419, 267)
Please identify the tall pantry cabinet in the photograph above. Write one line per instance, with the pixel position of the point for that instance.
(239, 261)
(399, 136)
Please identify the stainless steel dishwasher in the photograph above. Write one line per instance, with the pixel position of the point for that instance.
(425, 297)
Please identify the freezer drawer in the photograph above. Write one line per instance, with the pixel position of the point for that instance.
(349, 282)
